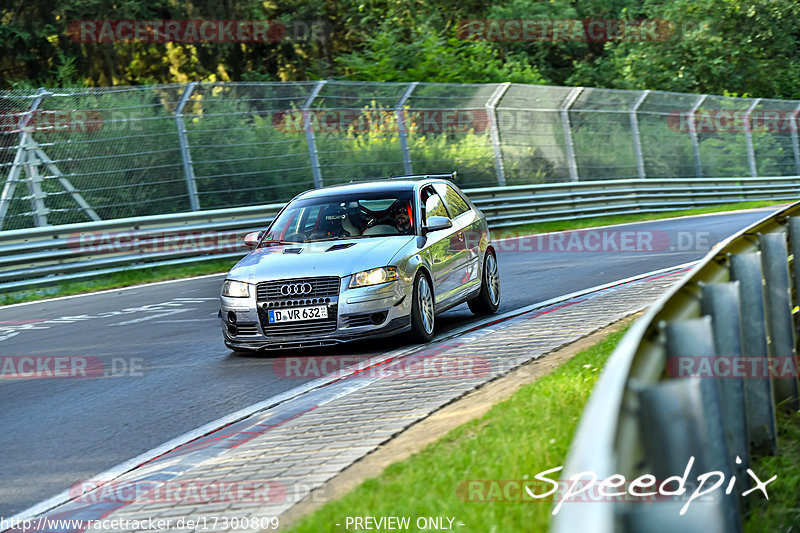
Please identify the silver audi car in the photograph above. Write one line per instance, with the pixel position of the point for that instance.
(366, 259)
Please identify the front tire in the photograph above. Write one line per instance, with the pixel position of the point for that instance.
(422, 310)
(488, 300)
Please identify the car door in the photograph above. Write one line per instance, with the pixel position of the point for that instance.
(468, 224)
(441, 248)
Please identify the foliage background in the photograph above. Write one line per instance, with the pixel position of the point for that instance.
(729, 47)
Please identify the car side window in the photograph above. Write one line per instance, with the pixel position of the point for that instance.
(434, 206)
(456, 204)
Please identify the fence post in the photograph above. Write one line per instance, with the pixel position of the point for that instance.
(494, 131)
(401, 127)
(748, 137)
(795, 147)
(183, 141)
(21, 160)
(309, 127)
(637, 140)
(571, 163)
(698, 167)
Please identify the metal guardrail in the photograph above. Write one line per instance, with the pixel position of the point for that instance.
(32, 258)
(54, 254)
(511, 206)
(656, 404)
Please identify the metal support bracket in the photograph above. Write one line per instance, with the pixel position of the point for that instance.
(188, 167)
(572, 164)
(402, 131)
(494, 131)
(309, 128)
(637, 140)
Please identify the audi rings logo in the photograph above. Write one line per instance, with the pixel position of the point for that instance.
(296, 289)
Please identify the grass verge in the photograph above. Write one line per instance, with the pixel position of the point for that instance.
(135, 277)
(119, 279)
(526, 434)
(782, 511)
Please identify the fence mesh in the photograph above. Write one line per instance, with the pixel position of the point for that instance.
(74, 155)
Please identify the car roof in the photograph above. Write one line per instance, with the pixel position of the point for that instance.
(388, 185)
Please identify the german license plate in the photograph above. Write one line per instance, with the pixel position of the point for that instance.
(296, 314)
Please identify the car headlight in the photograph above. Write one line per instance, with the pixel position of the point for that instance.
(373, 277)
(235, 289)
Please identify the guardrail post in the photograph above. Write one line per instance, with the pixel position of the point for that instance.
(401, 127)
(795, 146)
(794, 240)
(778, 306)
(720, 301)
(308, 125)
(761, 425)
(695, 338)
(183, 141)
(698, 167)
(748, 137)
(680, 419)
(37, 195)
(637, 140)
(572, 164)
(494, 132)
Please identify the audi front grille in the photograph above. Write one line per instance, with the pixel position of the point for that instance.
(271, 291)
(276, 295)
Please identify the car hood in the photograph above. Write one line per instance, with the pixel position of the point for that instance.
(329, 258)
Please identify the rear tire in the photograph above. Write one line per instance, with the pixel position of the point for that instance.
(422, 310)
(488, 300)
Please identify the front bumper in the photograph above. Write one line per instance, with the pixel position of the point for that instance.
(376, 311)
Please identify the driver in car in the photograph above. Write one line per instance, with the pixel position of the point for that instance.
(403, 221)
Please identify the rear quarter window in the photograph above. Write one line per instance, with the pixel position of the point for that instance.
(456, 204)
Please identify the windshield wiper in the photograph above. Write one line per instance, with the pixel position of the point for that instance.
(270, 242)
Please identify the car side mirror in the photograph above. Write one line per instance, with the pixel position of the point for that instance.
(252, 239)
(436, 224)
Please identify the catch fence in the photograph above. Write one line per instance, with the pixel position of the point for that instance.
(84, 154)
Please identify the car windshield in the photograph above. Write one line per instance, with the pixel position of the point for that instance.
(375, 214)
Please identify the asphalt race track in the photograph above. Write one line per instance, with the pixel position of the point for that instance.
(170, 372)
